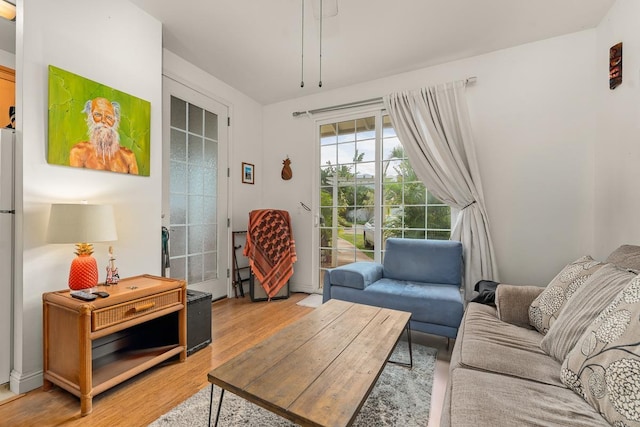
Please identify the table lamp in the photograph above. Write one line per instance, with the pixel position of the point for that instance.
(80, 224)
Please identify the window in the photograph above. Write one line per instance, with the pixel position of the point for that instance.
(409, 209)
(369, 192)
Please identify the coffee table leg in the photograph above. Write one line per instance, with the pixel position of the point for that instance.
(410, 347)
(410, 364)
(211, 405)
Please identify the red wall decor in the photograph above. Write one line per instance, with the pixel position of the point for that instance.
(615, 66)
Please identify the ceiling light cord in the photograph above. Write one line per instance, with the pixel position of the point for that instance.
(302, 45)
(320, 82)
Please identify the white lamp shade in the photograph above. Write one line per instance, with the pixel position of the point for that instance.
(8, 10)
(81, 223)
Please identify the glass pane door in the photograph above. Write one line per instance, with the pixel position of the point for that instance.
(196, 193)
(347, 191)
(369, 192)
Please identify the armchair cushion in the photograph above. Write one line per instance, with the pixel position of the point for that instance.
(429, 303)
(357, 275)
(429, 261)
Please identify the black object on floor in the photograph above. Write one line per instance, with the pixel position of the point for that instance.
(198, 320)
(238, 280)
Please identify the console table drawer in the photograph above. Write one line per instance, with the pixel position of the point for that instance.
(109, 316)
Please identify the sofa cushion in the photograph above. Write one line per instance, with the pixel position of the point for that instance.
(419, 260)
(548, 305)
(513, 302)
(488, 344)
(357, 275)
(485, 399)
(626, 256)
(604, 366)
(469, 313)
(585, 304)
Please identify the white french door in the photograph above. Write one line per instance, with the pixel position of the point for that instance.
(369, 192)
(195, 187)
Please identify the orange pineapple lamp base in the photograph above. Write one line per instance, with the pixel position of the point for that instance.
(83, 273)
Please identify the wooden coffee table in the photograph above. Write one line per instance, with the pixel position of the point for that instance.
(319, 370)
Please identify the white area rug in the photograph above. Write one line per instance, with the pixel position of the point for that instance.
(401, 397)
(313, 300)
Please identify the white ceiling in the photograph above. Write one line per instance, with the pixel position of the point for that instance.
(255, 45)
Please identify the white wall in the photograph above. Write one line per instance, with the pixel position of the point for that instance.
(534, 121)
(118, 45)
(617, 199)
(7, 59)
(7, 38)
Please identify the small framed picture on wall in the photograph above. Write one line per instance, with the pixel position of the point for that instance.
(247, 173)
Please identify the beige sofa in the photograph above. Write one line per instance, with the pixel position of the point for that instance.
(501, 373)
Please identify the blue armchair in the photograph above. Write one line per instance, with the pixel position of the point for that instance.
(422, 277)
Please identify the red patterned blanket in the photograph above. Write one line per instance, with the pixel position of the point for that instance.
(270, 248)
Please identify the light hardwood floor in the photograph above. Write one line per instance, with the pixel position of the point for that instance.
(237, 324)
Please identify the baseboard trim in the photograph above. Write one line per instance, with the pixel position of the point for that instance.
(20, 383)
(304, 287)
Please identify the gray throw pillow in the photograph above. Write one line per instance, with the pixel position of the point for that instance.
(585, 305)
(626, 256)
(604, 366)
(547, 306)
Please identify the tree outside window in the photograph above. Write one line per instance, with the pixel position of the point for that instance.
(349, 206)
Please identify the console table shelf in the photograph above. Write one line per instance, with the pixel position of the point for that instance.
(90, 347)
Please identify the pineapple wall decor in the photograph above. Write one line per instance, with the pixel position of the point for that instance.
(286, 173)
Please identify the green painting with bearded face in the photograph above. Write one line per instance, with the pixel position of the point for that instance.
(97, 127)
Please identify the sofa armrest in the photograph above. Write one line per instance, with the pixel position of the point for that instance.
(513, 303)
(357, 275)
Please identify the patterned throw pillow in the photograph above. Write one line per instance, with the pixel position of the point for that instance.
(544, 310)
(586, 303)
(604, 365)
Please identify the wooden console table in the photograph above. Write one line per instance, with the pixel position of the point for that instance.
(90, 347)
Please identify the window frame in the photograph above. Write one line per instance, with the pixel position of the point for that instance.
(378, 251)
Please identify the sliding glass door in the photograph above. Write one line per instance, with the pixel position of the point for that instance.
(369, 192)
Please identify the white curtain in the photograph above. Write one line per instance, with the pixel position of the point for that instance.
(434, 129)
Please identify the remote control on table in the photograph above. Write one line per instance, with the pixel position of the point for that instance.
(84, 296)
(101, 294)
